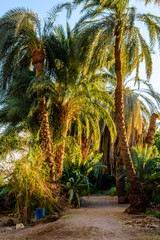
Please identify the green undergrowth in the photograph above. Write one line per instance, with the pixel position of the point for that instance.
(152, 213)
(112, 192)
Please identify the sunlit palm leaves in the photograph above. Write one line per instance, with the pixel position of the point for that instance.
(99, 25)
(140, 100)
(71, 90)
(150, 1)
(21, 32)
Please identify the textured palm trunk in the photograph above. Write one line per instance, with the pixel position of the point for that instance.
(42, 115)
(120, 176)
(151, 130)
(59, 156)
(107, 148)
(134, 137)
(137, 197)
(44, 135)
(120, 182)
(85, 146)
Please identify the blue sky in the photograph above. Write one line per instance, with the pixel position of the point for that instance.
(41, 7)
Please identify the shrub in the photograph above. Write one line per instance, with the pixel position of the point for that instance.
(76, 172)
(147, 165)
(112, 192)
(26, 174)
(7, 200)
(30, 183)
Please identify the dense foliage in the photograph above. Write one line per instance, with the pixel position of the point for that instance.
(59, 87)
(147, 164)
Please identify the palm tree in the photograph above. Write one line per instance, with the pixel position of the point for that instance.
(112, 29)
(139, 104)
(73, 95)
(151, 131)
(23, 43)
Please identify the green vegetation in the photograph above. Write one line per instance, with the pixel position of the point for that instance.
(76, 173)
(152, 213)
(64, 136)
(112, 192)
(147, 164)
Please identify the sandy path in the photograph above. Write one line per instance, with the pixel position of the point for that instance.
(101, 218)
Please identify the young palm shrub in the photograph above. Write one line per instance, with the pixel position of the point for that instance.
(141, 157)
(111, 29)
(76, 171)
(147, 165)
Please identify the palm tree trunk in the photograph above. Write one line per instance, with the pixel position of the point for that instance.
(151, 130)
(44, 135)
(59, 156)
(120, 176)
(137, 197)
(42, 115)
(107, 148)
(120, 182)
(85, 146)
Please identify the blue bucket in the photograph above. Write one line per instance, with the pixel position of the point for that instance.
(40, 213)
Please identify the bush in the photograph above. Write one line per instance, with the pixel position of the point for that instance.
(7, 200)
(30, 183)
(112, 192)
(157, 140)
(26, 174)
(147, 165)
(76, 171)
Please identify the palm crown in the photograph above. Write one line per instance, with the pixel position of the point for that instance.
(103, 20)
(23, 40)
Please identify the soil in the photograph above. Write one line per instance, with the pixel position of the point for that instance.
(99, 218)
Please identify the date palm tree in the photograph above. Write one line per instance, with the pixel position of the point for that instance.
(140, 102)
(73, 95)
(22, 44)
(110, 28)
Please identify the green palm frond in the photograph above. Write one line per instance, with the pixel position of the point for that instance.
(16, 104)
(140, 101)
(84, 98)
(53, 14)
(20, 33)
(98, 27)
(152, 22)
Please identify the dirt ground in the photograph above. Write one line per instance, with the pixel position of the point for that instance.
(101, 218)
